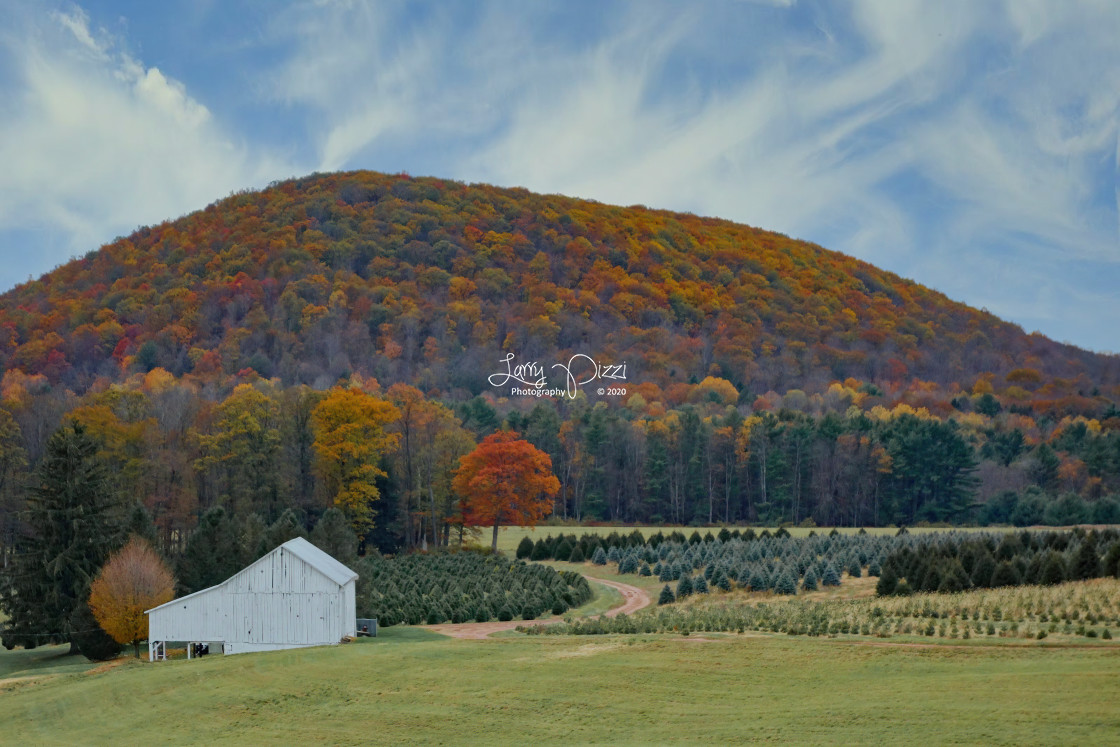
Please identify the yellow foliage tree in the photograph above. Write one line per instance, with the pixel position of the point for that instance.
(131, 581)
(350, 438)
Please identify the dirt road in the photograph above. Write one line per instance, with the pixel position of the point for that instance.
(634, 599)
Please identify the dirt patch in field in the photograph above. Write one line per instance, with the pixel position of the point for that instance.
(633, 599)
(107, 666)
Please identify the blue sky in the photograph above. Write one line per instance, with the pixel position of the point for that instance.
(971, 146)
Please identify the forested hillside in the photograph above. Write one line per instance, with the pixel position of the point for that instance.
(766, 379)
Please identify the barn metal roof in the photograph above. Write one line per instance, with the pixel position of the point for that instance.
(319, 560)
(302, 549)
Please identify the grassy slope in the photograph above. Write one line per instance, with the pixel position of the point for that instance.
(411, 688)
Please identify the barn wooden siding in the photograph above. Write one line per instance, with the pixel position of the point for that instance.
(291, 597)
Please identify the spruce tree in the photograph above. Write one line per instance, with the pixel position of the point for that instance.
(74, 524)
(524, 548)
(212, 554)
(888, 581)
(600, 556)
(787, 583)
(809, 583)
(563, 551)
(684, 587)
(1005, 575)
(1053, 570)
(700, 585)
(830, 577)
(577, 554)
(1086, 564)
(334, 535)
(285, 528)
(667, 596)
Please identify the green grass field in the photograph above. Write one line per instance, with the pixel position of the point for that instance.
(411, 687)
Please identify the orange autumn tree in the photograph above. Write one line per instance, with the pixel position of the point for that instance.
(505, 481)
(131, 581)
(350, 439)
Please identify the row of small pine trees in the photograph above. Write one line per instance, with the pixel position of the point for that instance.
(954, 561)
(433, 588)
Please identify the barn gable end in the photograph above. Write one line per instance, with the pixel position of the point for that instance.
(297, 595)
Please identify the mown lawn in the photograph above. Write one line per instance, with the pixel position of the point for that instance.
(411, 688)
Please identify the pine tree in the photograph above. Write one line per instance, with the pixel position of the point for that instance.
(684, 587)
(335, 536)
(1053, 570)
(577, 555)
(667, 596)
(212, 554)
(524, 548)
(787, 583)
(1005, 575)
(830, 577)
(600, 556)
(1086, 563)
(139, 524)
(563, 551)
(287, 527)
(700, 585)
(74, 523)
(809, 583)
(888, 581)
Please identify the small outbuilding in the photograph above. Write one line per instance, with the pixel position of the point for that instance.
(295, 596)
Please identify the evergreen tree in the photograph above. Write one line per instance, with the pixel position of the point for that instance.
(830, 577)
(667, 596)
(888, 582)
(809, 582)
(1053, 570)
(787, 583)
(854, 569)
(563, 551)
(984, 569)
(1086, 563)
(74, 524)
(541, 551)
(577, 555)
(600, 556)
(335, 536)
(212, 554)
(1005, 575)
(699, 585)
(1112, 560)
(287, 527)
(139, 524)
(684, 587)
(524, 548)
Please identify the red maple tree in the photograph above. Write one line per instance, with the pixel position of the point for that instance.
(505, 481)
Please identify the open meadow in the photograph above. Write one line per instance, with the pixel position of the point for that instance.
(413, 687)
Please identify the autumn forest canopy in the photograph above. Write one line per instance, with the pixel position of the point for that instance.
(327, 342)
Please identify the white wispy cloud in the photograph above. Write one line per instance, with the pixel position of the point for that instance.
(94, 142)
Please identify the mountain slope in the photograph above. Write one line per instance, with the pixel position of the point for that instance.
(432, 282)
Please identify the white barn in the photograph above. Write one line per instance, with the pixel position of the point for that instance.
(297, 595)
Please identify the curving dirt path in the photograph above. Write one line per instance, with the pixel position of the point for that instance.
(633, 598)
